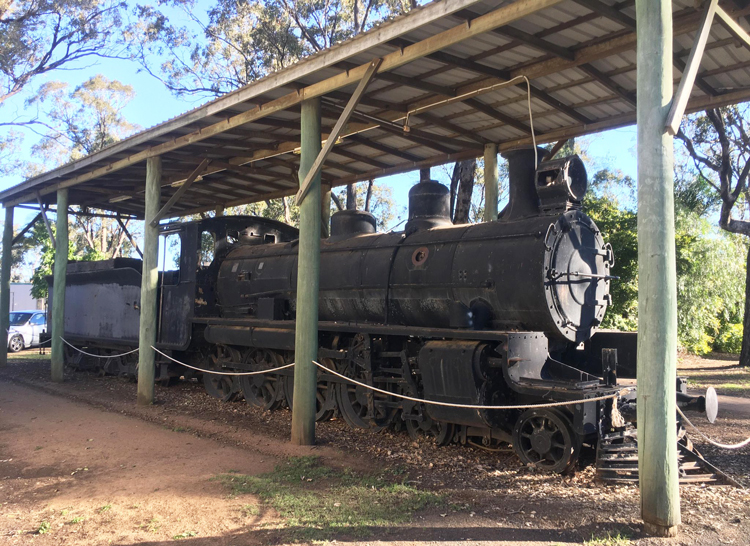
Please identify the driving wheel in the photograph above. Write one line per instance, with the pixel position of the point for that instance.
(361, 407)
(263, 390)
(220, 386)
(545, 439)
(325, 401)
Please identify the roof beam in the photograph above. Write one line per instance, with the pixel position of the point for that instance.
(732, 26)
(342, 151)
(129, 236)
(43, 208)
(484, 70)
(682, 95)
(488, 110)
(382, 148)
(445, 124)
(306, 184)
(609, 83)
(179, 193)
(23, 232)
(609, 12)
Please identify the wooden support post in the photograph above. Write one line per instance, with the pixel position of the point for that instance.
(657, 284)
(219, 212)
(57, 357)
(308, 270)
(179, 193)
(149, 285)
(490, 182)
(325, 212)
(5, 265)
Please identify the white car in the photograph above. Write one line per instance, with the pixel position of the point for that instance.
(25, 329)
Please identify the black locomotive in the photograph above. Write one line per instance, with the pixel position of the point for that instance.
(492, 314)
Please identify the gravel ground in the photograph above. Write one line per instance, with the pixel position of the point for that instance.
(483, 486)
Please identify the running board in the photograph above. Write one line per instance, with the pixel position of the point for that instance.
(617, 461)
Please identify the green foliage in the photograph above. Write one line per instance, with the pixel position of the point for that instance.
(44, 528)
(729, 339)
(619, 228)
(317, 501)
(710, 268)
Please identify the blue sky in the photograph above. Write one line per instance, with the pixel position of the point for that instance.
(153, 104)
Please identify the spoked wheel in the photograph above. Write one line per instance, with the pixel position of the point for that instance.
(263, 390)
(545, 439)
(72, 358)
(15, 344)
(325, 401)
(426, 427)
(352, 400)
(220, 386)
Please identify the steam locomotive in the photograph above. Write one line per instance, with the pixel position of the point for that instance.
(491, 314)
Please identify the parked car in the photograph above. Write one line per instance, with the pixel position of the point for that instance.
(25, 329)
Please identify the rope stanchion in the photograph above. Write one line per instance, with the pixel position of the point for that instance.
(709, 440)
(96, 356)
(469, 406)
(213, 372)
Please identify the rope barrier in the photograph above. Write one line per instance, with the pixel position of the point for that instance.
(96, 356)
(709, 440)
(222, 373)
(469, 406)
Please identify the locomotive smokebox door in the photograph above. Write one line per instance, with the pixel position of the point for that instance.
(576, 275)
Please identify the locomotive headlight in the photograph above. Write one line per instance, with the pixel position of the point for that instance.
(561, 181)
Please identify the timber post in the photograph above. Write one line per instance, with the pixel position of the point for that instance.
(308, 271)
(657, 286)
(490, 182)
(149, 285)
(57, 352)
(5, 266)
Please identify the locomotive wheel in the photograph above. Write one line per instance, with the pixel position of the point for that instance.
(72, 358)
(544, 439)
(441, 433)
(352, 399)
(219, 386)
(325, 404)
(264, 390)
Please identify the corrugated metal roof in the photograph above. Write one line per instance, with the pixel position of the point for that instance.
(581, 64)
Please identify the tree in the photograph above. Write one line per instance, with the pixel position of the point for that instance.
(83, 120)
(718, 141)
(41, 36)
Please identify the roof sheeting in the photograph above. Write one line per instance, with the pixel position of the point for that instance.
(444, 76)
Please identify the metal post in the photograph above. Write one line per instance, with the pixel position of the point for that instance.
(5, 266)
(657, 285)
(149, 285)
(308, 270)
(57, 358)
(490, 182)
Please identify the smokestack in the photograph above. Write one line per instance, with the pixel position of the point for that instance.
(523, 200)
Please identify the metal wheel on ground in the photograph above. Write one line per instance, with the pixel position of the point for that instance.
(220, 386)
(439, 432)
(263, 390)
(545, 439)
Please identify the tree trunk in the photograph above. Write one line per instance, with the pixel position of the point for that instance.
(465, 189)
(745, 353)
(454, 188)
(424, 175)
(368, 196)
(287, 211)
(351, 197)
(336, 201)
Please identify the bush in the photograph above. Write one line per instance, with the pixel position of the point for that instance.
(729, 339)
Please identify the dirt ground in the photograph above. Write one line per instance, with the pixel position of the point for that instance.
(81, 464)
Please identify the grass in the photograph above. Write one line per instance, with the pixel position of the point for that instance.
(151, 525)
(619, 539)
(44, 528)
(186, 534)
(105, 508)
(250, 510)
(31, 354)
(318, 502)
(731, 382)
(77, 519)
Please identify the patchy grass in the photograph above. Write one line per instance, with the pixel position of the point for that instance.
(730, 381)
(250, 510)
(44, 528)
(105, 508)
(317, 502)
(77, 519)
(186, 534)
(619, 539)
(30, 354)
